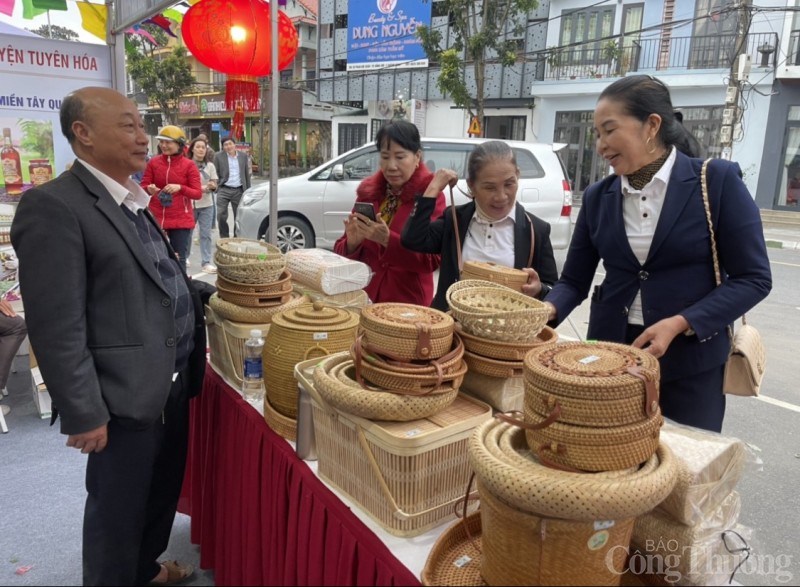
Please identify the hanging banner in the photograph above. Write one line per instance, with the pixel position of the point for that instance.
(382, 33)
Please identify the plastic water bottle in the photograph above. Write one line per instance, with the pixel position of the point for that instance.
(253, 375)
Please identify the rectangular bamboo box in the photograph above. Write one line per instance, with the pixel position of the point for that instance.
(407, 476)
(226, 340)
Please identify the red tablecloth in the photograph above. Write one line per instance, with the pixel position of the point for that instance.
(260, 515)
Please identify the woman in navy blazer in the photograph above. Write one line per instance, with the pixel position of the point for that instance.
(647, 224)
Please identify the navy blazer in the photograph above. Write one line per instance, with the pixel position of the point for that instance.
(677, 276)
(422, 235)
(98, 315)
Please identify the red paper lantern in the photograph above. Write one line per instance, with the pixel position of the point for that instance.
(234, 37)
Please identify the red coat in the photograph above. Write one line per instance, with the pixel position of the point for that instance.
(400, 275)
(163, 169)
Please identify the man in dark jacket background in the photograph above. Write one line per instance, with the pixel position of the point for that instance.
(235, 176)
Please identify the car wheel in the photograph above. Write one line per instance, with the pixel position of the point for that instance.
(293, 233)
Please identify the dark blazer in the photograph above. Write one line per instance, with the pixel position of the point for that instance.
(420, 234)
(99, 319)
(678, 276)
(223, 171)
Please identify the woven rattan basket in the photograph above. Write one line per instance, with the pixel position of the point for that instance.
(248, 261)
(407, 331)
(455, 558)
(522, 548)
(335, 382)
(282, 286)
(495, 312)
(282, 425)
(500, 274)
(492, 367)
(407, 476)
(505, 351)
(226, 340)
(246, 315)
(298, 334)
(504, 464)
(253, 300)
(415, 377)
(595, 449)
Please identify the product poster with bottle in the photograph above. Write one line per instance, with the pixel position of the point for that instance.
(36, 74)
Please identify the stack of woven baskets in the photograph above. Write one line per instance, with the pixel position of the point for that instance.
(297, 334)
(500, 274)
(498, 326)
(252, 281)
(252, 285)
(543, 526)
(592, 406)
(406, 364)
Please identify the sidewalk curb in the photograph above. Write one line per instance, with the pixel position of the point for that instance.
(780, 244)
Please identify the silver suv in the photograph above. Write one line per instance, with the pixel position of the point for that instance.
(313, 206)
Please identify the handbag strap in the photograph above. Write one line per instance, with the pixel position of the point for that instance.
(714, 257)
(458, 236)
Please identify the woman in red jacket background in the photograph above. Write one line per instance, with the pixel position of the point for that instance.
(399, 274)
(172, 181)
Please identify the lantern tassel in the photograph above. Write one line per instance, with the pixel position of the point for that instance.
(241, 90)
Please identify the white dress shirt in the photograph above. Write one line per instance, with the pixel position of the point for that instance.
(131, 193)
(490, 240)
(641, 210)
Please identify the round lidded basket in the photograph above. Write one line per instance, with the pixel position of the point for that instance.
(496, 312)
(298, 334)
(594, 449)
(505, 351)
(500, 274)
(597, 371)
(407, 331)
(249, 261)
(334, 380)
(493, 367)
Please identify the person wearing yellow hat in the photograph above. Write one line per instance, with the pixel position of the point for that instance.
(173, 181)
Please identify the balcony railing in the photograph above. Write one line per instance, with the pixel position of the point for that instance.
(609, 59)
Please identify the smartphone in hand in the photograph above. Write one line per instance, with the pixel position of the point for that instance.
(365, 208)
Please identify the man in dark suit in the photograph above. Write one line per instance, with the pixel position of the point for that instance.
(235, 176)
(118, 330)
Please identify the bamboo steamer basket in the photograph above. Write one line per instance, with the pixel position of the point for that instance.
(301, 333)
(499, 274)
(334, 380)
(407, 331)
(504, 464)
(523, 548)
(505, 351)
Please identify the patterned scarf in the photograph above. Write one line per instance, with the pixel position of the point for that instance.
(389, 205)
(639, 179)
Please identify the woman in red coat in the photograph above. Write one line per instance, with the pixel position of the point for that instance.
(400, 275)
(173, 181)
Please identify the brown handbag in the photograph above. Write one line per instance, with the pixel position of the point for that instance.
(744, 369)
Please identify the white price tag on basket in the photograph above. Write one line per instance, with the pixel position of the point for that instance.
(589, 359)
(603, 524)
(412, 433)
(320, 336)
(462, 561)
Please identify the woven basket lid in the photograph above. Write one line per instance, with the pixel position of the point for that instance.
(455, 558)
(401, 320)
(315, 317)
(598, 370)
